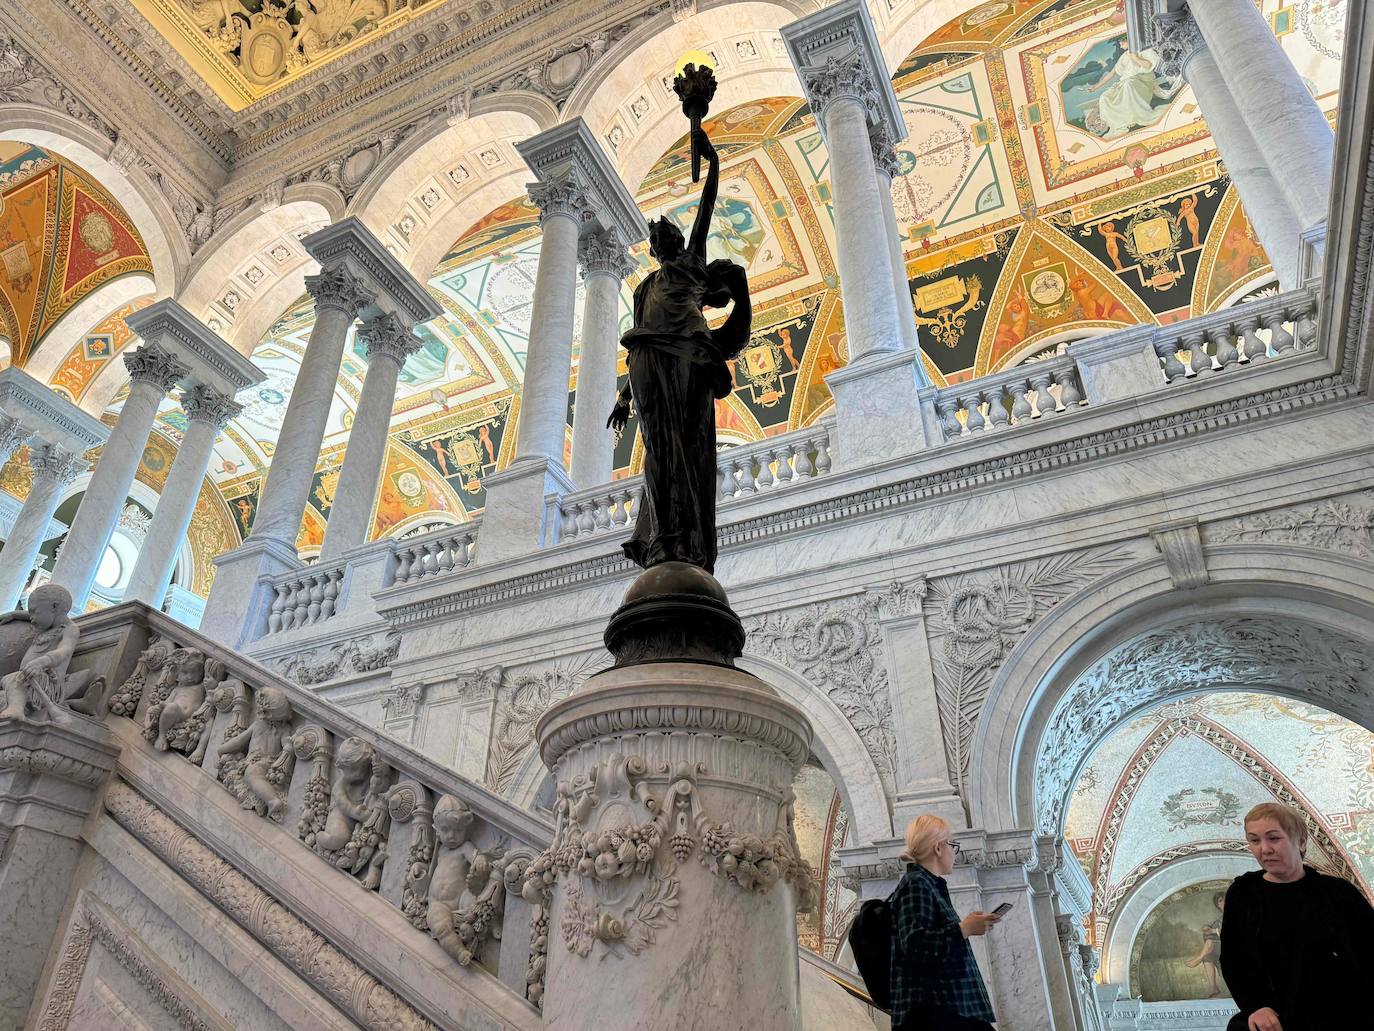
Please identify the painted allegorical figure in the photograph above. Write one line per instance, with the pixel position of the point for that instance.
(678, 368)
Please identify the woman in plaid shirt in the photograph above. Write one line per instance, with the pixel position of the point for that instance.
(935, 984)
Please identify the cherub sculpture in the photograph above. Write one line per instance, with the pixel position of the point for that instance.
(270, 759)
(462, 892)
(42, 684)
(180, 720)
(355, 828)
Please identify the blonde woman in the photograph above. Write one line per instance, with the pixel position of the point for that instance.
(935, 983)
(1295, 944)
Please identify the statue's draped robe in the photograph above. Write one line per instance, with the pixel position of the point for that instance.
(677, 370)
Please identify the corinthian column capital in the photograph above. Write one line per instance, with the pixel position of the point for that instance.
(204, 404)
(151, 364)
(13, 433)
(603, 253)
(840, 78)
(388, 336)
(1176, 38)
(55, 464)
(560, 194)
(336, 287)
(884, 150)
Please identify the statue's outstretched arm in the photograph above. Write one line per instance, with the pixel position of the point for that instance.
(701, 228)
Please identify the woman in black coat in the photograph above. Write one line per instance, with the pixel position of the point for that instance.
(1296, 945)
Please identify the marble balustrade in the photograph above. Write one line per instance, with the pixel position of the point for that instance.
(142, 651)
(305, 597)
(1007, 399)
(1248, 334)
(436, 553)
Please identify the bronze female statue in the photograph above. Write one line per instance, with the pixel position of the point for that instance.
(678, 369)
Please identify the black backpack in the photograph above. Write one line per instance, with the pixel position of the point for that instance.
(870, 939)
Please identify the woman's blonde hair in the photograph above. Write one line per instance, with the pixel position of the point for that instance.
(1285, 816)
(922, 835)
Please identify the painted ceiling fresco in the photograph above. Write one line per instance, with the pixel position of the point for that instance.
(61, 237)
(1177, 781)
(822, 829)
(1029, 218)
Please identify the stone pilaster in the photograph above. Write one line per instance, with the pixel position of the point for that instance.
(153, 372)
(54, 470)
(50, 779)
(605, 264)
(207, 412)
(674, 854)
(390, 340)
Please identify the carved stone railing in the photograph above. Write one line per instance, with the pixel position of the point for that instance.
(742, 471)
(303, 597)
(1006, 399)
(383, 817)
(1248, 334)
(436, 553)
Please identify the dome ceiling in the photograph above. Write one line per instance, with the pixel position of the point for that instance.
(62, 237)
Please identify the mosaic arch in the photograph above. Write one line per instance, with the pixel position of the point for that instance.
(1028, 218)
(62, 237)
(1172, 786)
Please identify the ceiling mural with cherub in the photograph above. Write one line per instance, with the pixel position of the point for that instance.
(61, 238)
(1052, 186)
(1175, 783)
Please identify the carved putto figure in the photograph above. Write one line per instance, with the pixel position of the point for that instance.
(179, 720)
(355, 828)
(463, 895)
(267, 771)
(42, 684)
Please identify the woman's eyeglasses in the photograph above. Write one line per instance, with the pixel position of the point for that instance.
(954, 847)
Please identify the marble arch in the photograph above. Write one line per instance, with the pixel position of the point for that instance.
(92, 309)
(91, 150)
(448, 174)
(1300, 588)
(610, 97)
(257, 255)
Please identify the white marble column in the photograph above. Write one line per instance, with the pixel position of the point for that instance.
(339, 296)
(153, 372)
(390, 341)
(207, 412)
(1184, 52)
(885, 164)
(548, 365)
(1296, 139)
(54, 469)
(604, 264)
(839, 95)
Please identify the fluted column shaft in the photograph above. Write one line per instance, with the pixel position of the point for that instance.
(885, 166)
(390, 341)
(338, 299)
(153, 373)
(1298, 143)
(838, 94)
(207, 412)
(604, 264)
(548, 363)
(1260, 194)
(54, 469)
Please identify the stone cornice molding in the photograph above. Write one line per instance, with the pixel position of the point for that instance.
(1117, 440)
(26, 77)
(179, 333)
(151, 364)
(836, 54)
(348, 240)
(205, 404)
(41, 762)
(389, 337)
(570, 150)
(337, 288)
(46, 414)
(602, 253)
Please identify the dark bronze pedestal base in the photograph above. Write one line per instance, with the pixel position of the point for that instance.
(675, 612)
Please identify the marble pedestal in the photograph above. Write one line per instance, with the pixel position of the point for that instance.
(877, 409)
(50, 779)
(242, 594)
(672, 886)
(516, 521)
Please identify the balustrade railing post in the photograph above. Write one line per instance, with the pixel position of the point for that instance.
(997, 409)
(973, 413)
(1226, 353)
(1279, 338)
(1255, 351)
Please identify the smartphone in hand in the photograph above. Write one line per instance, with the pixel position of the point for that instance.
(1002, 910)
